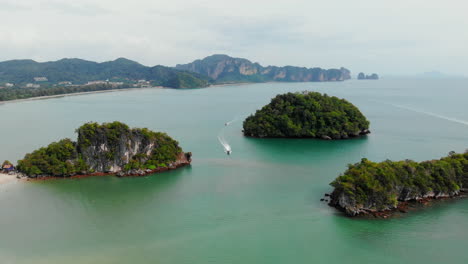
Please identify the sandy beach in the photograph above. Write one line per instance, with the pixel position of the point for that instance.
(106, 91)
(75, 94)
(6, 178)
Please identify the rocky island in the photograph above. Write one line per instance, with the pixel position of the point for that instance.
(362, 76)
(379, 189)
(110, 148)
(307, 115)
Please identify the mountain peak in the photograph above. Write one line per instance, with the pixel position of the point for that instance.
(225, 69)
(122, 60)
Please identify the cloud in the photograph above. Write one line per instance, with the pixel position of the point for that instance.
(75, 8)
(364, 35)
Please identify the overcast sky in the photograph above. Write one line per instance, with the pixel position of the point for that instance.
(384, 36)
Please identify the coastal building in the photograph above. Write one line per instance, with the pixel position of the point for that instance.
(8, 168)
(9, 85)
(96, 82)
(32, 85)
(40, 79)
(114, 84)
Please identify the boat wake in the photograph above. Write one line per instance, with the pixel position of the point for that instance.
(225, 144)
(222, 140)
(230, 122)
(452, 119)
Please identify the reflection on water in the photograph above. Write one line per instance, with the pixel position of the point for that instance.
(258, 205)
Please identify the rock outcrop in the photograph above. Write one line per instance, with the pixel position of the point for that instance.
(225, 69)
(111, 148)
(369, 188)
(362, 76)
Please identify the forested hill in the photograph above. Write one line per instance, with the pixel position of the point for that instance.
(78, 71)
(225, 69)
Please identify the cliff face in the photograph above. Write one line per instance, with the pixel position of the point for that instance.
(223, 68)
(350, 207)
(368, 187)
(108, 148)
(104, 154)
(114, 148)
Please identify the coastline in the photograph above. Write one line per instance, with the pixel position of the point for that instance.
(403, 207)
(76, 94)
(96, 174)
(7, 178)
(106, 91)
(124, 89)
(182, 161)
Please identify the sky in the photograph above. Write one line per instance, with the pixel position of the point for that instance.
(393, 37)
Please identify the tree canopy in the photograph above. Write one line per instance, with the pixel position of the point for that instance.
(101, 146)
(307, 114)
(382, 185)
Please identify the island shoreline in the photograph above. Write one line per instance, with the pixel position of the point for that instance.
(98, 174)
(403, 207)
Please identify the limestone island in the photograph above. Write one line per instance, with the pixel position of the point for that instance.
(307, 115)
(362, 76)
(109, 148)
(381, 189)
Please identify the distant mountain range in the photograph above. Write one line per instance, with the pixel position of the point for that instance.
(200, 73)
(225, 69)
(79, 71)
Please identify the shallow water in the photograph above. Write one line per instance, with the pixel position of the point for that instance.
(258, 205)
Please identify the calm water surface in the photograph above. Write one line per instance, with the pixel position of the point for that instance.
(259, 205)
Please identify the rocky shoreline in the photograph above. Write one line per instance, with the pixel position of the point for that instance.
(379, 188)
(183, 160)
(350, 136)
(402, 207)
(355, 135)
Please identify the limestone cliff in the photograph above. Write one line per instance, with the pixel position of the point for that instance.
(362, 76)
(225, 69)
(106, 148)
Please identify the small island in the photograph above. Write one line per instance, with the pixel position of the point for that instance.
(380, 189)
(307, 115)
(109, 148)
(362, 76)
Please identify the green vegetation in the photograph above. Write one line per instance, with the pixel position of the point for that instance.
(166, 152)
(101, 147)
(379, 186)
(307, 114)
(79, 72)
(24, 93)
(57, 159)
(82, 71)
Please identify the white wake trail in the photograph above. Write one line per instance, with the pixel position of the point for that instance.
(230, 122)
(452, 119)
(226, 146)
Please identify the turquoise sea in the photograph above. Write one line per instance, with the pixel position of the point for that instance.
(258, 205)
